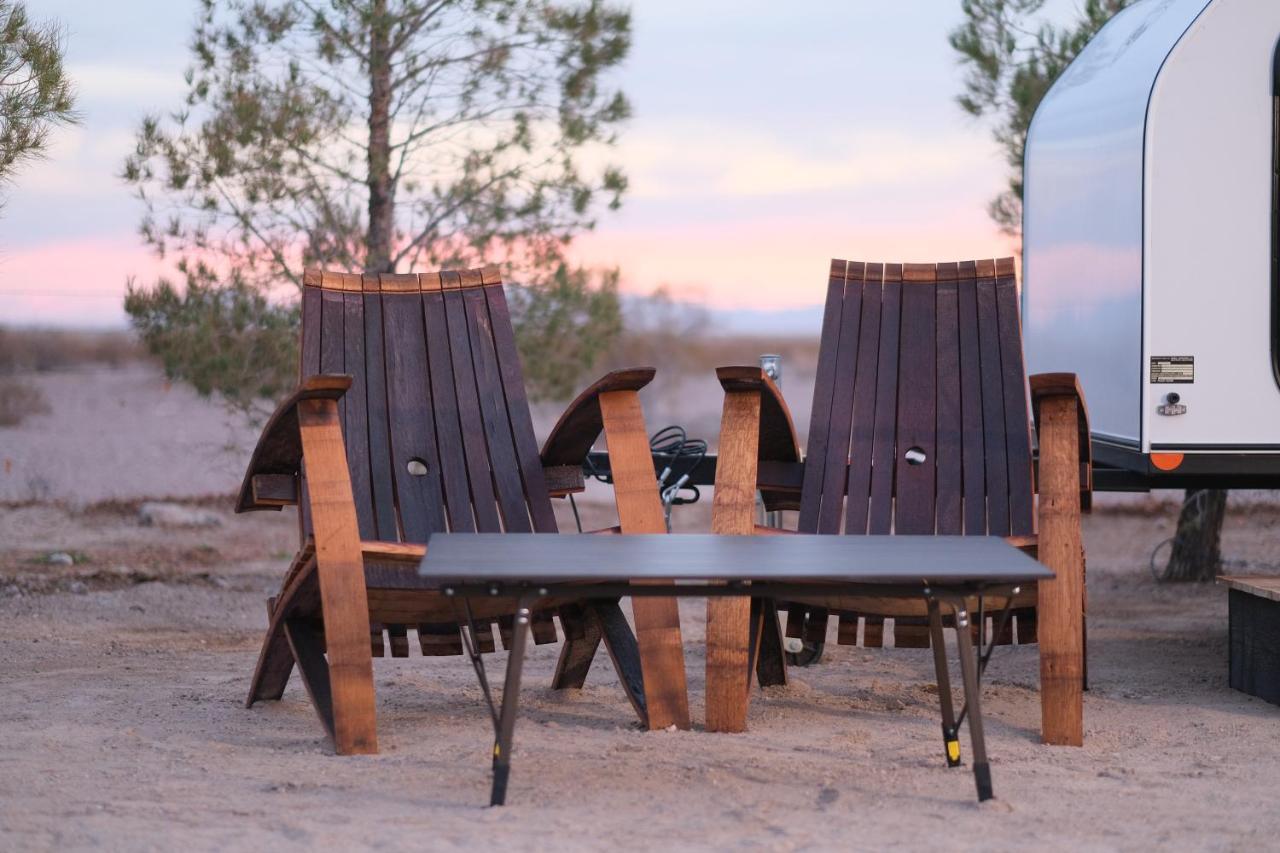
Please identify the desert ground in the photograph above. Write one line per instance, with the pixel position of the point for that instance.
(123, 675)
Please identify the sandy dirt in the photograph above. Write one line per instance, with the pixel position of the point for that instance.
(122, 679)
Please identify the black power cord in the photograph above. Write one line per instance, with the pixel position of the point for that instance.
(683, 456)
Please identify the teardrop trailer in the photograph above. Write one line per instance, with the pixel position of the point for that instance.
(1152, 263)
(1150, 253)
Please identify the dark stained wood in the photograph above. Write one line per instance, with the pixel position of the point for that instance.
(479, 474)
(274, 490)
(439, 638)
(917, 405)
(526, 446)
(880, 518)
(823, 391)
(858, 476)
(448, 426)
(382, 476)
(411, 405)
(770, 656)
(949, 446)
(307, 646)
(1017, 426)
(507, 481)
(973, 441)
(333, 358)
(1254, 637)
(841, 414)
(993, 418)
(356, 422)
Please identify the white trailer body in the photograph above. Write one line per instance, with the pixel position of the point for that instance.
(1151, 233)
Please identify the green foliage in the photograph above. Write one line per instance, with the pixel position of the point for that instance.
(1011, 57)
(562, 325)
(35, 93)
(224, 337)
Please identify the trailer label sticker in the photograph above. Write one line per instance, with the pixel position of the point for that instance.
(1173, 369)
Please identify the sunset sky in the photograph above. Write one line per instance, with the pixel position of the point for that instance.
(767, 138)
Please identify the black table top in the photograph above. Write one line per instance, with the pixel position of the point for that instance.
(533, 558)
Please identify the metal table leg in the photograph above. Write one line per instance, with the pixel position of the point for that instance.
(510, 705)
(969, 674)
(950, 735)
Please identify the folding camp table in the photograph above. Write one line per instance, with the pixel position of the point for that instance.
(942, 569)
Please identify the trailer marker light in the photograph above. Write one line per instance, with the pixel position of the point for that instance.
(1166, 461)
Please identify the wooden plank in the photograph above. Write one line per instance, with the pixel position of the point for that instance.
(1061, 600)
(341, 574)
(306, 643)
(770, 656)
(640, 511)
(916, 462)
(399, 637)
(436, 639)
(880, 516)
(834, 476)
(823, 394)
(1254, 645)
(333, 358)
(847, 630)
(448, 428)
(1257, 585)
(1017, 427)
(356, 425)
(410, 405)
(479, 476)
(526, 444)
(381, 474)
(992, 385)
(507, 481)
(973, 449)
(858, 487)
(732, 512)
(949, 452)
(873, 632)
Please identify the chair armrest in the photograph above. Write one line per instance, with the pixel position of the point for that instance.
(1050, 386)
(581, 424)
(271, 479)
(780, 471)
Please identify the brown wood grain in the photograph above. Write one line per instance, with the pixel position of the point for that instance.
(1059, 617)
(732, 512)
(340, 571)
(640, 511)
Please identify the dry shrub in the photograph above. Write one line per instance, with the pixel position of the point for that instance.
(19, 400)
(39, 350)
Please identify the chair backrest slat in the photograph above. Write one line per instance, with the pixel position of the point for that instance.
(858, 484)
(382, 488)
(517, 403)
(948, 444)
(493, 414)
(920, 419)
(880, 517)
(1017, 429)
(993, 420)
(916, 458)
(841, 417)
(411, 403)
(356, 425)
(479, 476)
(823, 389)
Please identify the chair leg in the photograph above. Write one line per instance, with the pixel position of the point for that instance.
(307, 644)
(624, 652)
(950, 737)
(771, 655)
(728, 663)
(972, 704)
(275, 664)
(582, 638)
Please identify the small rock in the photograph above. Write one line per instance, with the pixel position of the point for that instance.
(61, 558)
(670, 728)
(77, 588)
(156, 514)
(13, 590)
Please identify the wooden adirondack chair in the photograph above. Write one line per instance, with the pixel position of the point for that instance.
(920, 425)
(412, 418)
